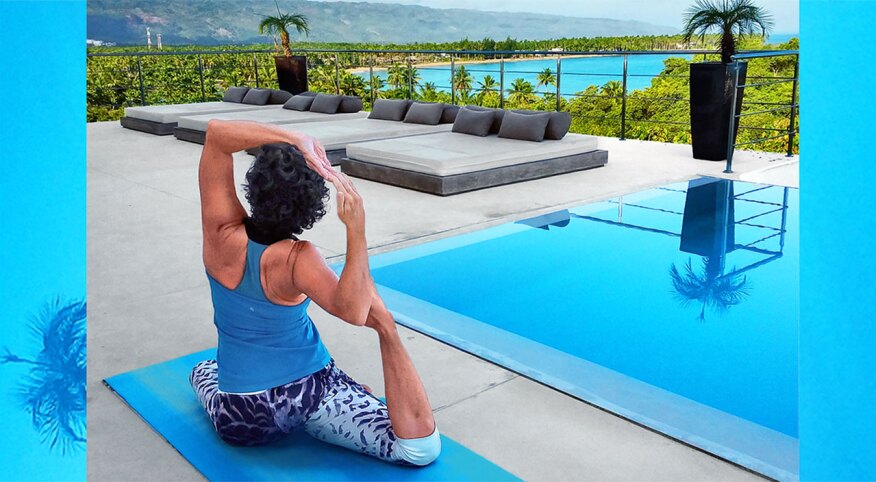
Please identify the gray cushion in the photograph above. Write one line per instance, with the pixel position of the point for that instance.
(557, 127)
(471, 121)
(497, 116)
(350, 104)
(279, 96)
(325, 103)
(449, 113)
(235, 94)
(299, 102)
(525, 127)
(308, 93)
(257, 96)
(389, 109)
(424, 113)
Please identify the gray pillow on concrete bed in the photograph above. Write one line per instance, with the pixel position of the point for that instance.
(524, 127)
(235, 94)
(474, 122)
(325, 103)
(558, 125)
(497, 116)
(279, 96)
(299, 102)
(449, 114)
(424, 113)
(389, 109)
(350, 104)
(257, 96)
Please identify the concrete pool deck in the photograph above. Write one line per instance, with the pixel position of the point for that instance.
(149, 301)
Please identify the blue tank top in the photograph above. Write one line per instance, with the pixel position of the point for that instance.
(261, 344)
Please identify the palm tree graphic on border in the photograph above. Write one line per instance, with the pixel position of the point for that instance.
(53, 390)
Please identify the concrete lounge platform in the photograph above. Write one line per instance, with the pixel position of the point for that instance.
(149, 301)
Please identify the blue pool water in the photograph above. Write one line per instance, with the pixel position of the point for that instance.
(609, 284)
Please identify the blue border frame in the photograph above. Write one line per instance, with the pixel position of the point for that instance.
(837, 329)
(42, 182)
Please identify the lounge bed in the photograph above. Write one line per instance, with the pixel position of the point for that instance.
(194, 128)
(336, 136)
(161, 119)
(455, 162)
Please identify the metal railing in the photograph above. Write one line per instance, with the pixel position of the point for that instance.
(255, 67)
(735, 117)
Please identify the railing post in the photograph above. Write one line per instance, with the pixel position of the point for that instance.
(371, 76)
(452, 80)
(140, 76)
(623, 133)
(793, 105)
(731, 142)
(410, 75)
(337, 73)
(502, 82)
(201, 75)
(559, 73)
(255, 68)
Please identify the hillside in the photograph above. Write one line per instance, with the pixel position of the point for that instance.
(212, 22)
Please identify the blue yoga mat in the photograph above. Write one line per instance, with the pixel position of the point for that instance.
(162, 396)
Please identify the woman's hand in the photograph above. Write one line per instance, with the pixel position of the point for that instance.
(315, 156)
(351, 210)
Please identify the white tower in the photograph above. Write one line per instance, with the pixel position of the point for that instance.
(159, 41)
(148, 38)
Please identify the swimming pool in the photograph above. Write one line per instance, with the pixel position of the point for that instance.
(675, 307)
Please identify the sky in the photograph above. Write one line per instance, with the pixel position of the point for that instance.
(786, 13)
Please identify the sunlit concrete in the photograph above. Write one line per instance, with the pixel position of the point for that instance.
(149, 301)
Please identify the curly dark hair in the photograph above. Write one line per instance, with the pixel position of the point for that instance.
(285, 196)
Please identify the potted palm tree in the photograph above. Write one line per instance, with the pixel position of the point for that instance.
(711, 87)
(291, 69)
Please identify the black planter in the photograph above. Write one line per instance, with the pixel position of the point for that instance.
(711, 94)
(292, 73)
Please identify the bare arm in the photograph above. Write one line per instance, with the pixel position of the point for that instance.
(349, 297)
(220, 206)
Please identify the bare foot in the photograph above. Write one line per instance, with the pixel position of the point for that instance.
(366, 387)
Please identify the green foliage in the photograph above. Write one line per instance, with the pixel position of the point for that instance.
(730, 18)
(658, 113)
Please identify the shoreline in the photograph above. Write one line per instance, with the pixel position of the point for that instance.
(359, 70)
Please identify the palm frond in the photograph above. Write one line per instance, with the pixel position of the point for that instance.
(53, 390)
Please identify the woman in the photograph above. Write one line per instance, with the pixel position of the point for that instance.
(272, 372)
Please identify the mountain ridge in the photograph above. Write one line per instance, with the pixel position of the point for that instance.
(216, 22)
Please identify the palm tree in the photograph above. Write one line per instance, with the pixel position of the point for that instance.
(395, 76)
(545, 78)
(613, 89)
(710, 286)
(521, 92)
(462, 80)
(731, 18)
(281, 24)
(488, 84)
(429, 92)
(53, 391)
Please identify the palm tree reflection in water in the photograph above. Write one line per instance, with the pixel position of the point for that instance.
(53, 390)
(708, 230)
(709, 286)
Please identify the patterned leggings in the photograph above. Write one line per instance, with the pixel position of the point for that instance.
(329, 404)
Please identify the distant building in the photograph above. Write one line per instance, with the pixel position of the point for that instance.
(98, 43)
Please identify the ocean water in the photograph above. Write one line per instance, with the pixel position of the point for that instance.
(576, 73)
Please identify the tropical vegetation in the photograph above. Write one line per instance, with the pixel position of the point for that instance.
(731, 18)
(658, 112)
(281, 24)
